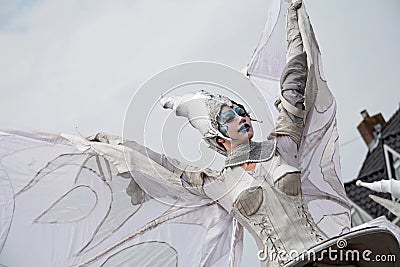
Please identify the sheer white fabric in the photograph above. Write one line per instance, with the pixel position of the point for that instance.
(71, 208)
(322, 184)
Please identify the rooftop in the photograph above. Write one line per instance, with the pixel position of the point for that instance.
(374, 169)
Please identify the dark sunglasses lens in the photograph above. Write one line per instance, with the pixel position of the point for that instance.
(240, 111)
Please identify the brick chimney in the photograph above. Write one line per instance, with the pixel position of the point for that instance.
(370, 128)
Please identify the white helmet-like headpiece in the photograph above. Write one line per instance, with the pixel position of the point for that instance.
(202, 110)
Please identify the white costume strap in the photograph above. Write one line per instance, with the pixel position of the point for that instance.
(292, 109)
(282, 170)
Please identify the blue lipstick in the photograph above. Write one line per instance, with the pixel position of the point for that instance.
(244, 128)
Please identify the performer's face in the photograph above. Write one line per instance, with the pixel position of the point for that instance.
(235, 123)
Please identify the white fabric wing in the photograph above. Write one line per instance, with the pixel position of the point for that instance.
(322, 184)
(65, 206)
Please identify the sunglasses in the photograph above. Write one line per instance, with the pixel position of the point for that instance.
(230, 115)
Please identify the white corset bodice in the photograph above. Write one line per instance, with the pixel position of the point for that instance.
(280, 223)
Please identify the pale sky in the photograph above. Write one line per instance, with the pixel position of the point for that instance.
(76, 63)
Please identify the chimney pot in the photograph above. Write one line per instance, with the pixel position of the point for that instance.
(364, 114)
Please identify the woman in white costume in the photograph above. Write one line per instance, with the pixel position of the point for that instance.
(260, 184)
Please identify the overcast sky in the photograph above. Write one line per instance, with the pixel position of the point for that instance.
(76, 63)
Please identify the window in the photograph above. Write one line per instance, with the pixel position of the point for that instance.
(392, 159)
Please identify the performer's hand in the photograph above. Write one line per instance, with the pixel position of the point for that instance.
(296, 4)
(105, 138)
